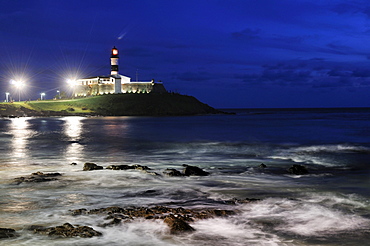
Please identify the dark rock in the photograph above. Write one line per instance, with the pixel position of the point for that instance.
(262, 165)
(79, 211)
(193, 171)
(67, 230)
(298, 170)
(172, 172)
(117, 216)
(176, 218)
(115, 221)
(108, 210)
(128, 167)
(120, 167)
(211, 213)
(142, 168)
(7, 233)
(151, 173)
(73, 164)
(91, 166)
(38, 177)
(177, 225)
(240, 201)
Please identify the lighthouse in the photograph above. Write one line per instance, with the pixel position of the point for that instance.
(114, 83)
(114, 61)
(114, 70)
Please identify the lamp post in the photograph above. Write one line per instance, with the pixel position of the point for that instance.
(42, 95)
(58, 93)
(7, 96)
(72, 84)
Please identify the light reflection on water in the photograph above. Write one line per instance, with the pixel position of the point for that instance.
(72, 129)
(21, 204)
(19, 129)
(119, 127)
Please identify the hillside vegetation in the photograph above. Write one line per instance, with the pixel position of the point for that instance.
(167, 104)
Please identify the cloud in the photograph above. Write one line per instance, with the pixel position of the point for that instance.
(361, 73)
(312, 73)
(247, 34)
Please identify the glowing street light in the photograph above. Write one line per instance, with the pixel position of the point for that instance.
(58, 93)
(42, 96)
(18, 84)
(7, 96)
(71, 82)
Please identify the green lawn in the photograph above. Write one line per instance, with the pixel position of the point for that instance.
(152, 104)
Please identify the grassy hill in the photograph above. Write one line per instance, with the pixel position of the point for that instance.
(167, 104)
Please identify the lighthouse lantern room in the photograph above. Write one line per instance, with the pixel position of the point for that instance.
(114, 61)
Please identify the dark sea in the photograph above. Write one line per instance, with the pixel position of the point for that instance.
(328, 206)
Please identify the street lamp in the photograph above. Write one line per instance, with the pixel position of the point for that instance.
(42, 95)
(7, 96)
(18, 84)
(58, 93)
(71, 82)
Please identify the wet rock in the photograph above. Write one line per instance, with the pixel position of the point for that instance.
(79, 211)
(151, 173)
(108, 210)
(38, 177)
(193, 171)
(177, 219)
(211, 213)
(142, 168)
(115, 221)
(262, 165)
(298, 170)
(128, 167)
(235, 201)
(117, 216)
(120, 167)
(7, 233)
(73, 164)
(172, 172)
(67, 230)
(91, 166)
(177, 225)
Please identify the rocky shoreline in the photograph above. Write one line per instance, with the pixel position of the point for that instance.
(178, 219)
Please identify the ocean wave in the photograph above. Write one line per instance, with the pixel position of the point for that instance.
(310, 216)
(326, 155)
(332, 148)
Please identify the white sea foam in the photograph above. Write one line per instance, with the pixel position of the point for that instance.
(316, 153)
(229, 231)
(303, 217)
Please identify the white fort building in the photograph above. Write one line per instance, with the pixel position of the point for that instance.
(115, 83)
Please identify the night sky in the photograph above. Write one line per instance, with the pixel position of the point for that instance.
(227, 53)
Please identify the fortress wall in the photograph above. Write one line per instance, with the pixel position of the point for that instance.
(100, 89)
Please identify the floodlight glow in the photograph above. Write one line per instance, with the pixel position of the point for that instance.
(71, 82)
(18, 84)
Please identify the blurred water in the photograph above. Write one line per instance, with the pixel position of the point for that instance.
(328, 206)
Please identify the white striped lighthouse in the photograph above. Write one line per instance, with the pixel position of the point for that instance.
(114, 61)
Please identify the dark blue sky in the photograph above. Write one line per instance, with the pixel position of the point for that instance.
(227, 53)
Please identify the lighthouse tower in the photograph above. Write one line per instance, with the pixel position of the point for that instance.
(114, 71)
(114, 61)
